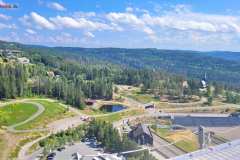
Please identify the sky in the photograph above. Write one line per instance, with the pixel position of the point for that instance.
(164, 24)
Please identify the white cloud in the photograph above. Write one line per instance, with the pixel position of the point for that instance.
(30, 31)
(182, 18)
(56, 6)
(5, 17)
(7, 26)
(129, 19)
(124, 18)
(41, 21)
(79, 23)
(89, 35)
(178, 25)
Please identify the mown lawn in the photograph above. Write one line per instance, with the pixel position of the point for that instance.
(137, 95)
(15, 113)
(120, 115)
(53, 111)
(144, 98)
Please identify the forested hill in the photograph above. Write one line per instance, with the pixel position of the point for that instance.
(219, 66)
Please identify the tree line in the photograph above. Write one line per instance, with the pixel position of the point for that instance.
(74, 80)
(104, 133)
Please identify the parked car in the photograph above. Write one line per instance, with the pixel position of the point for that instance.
(76, 156)
(51, 156)
(60, 149)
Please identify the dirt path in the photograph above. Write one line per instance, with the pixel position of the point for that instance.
(22, 155)
(38, 113)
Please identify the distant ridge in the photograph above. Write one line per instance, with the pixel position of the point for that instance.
(221, 66)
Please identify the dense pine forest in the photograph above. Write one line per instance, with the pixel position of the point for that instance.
(192, 64)
(73, 74)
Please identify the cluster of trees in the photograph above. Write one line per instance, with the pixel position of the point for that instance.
(62, 138)
(232, 97)
(84, 77)
(190, 63)
(109, 137)
(70, 82)
(12, 80)
(105, 134)
(73, 80)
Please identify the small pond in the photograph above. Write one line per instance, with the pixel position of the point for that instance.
(112, 107)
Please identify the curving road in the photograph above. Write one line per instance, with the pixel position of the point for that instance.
(57, 126)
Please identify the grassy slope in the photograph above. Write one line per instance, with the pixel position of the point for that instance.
(15, 113)
(120, 115)
(53, 111)
(188, 145)
(2, 145)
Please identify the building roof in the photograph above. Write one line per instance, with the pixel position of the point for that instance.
(140, 129)
(226, 151)
(191, 121)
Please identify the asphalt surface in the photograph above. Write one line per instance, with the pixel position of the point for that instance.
(81, 148)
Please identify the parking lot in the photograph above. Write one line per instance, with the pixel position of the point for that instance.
(85, 148)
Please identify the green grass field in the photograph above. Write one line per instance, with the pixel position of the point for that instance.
(53, 111)
(137, 95)
(120, 115)
(92, 112)
(15, 113)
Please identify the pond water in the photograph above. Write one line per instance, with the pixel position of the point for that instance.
(112, 107)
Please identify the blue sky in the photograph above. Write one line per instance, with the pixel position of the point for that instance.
(166, 24)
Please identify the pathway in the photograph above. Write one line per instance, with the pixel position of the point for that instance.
(39, 112)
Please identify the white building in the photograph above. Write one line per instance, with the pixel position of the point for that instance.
(23, 60)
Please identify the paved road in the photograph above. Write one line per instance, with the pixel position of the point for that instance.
(194, 114)
(22, 155)
(55, 127)
(224, 106)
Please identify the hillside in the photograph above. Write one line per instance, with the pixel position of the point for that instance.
(219, 66)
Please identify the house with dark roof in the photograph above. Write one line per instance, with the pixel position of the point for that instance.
(141, 134)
